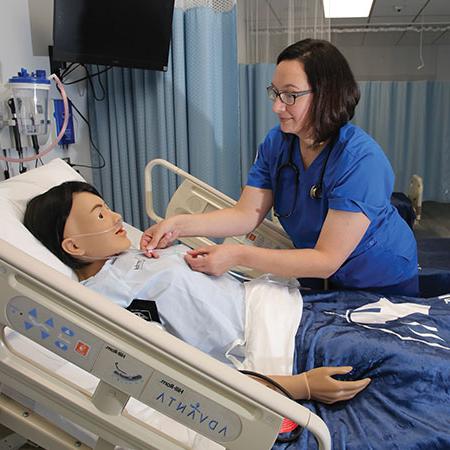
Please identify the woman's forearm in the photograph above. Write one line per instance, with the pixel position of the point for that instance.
(287, 263)
(221, 223)
(238, 220)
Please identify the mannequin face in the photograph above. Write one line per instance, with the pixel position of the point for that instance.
(90, 214)
(289, 76)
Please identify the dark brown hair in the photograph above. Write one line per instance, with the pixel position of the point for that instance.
(335, 90)
(46, 216)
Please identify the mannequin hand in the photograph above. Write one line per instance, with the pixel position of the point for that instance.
(160, 235)
(326, 389)
(213, 259)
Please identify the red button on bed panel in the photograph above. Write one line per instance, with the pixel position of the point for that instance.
(82, 348)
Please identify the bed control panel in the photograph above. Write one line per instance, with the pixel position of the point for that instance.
(53, 332)
(122, 371)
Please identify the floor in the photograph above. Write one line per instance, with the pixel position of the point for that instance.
(435, 221)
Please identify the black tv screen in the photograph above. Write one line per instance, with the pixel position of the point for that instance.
(131, 33)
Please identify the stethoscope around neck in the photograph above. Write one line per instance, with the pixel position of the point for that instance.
(316, 189)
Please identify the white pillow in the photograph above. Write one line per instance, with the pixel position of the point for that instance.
(14, 196)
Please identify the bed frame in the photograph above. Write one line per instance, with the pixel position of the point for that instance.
(131, 360)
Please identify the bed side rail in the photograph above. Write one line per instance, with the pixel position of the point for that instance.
(131, 360)
(194, 196)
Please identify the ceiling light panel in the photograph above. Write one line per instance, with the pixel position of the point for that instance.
(346, 8)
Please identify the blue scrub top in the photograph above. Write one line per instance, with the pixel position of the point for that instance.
(358, 178)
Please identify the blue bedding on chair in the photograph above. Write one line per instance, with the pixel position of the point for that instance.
(407, 404)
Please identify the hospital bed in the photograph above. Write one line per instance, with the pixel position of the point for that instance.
(77, 371)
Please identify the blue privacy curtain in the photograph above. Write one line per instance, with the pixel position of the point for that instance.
(187, 115)
(411, 122)
(409, 119)
(256, 113)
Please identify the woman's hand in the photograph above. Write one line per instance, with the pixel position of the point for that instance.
(213, 259)
(160, 235)
(325, 389)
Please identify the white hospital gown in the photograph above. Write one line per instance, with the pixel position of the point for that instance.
(204, 311)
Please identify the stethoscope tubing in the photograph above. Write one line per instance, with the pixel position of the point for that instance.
(290, 163)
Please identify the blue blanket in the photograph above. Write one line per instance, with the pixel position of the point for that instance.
(403, 344)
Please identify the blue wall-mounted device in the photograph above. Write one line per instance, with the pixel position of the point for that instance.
(69, 134)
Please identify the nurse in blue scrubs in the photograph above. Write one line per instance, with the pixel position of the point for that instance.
(329, 182)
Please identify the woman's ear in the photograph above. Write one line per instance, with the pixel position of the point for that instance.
(69, 246)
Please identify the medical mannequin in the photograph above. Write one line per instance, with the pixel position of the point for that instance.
(329, 183)
(73, 222)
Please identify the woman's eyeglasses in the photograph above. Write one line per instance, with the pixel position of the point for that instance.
(288, 98)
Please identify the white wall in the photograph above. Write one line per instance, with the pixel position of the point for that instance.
(15, 52)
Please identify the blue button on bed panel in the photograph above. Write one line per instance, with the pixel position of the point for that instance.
(50, 323)
(44, 334)
(33, 313)
(67, 331)
(28, 325)
(61, 345)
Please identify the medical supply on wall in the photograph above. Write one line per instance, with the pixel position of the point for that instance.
(29, 111)
(69, 135)
(30, 92)
(15, 130)
(6, 173)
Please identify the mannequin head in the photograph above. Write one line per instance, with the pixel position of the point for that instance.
(74, 223)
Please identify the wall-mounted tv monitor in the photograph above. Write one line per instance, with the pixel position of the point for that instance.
(127, 33)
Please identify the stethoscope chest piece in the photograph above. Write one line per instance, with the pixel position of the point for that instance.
(315, 192)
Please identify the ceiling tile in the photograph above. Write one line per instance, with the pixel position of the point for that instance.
(388, 7)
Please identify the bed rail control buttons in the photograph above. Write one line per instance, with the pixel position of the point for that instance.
(55, 333)
(62, 345)
(68, 331)
(44, 334)
(82, 348)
